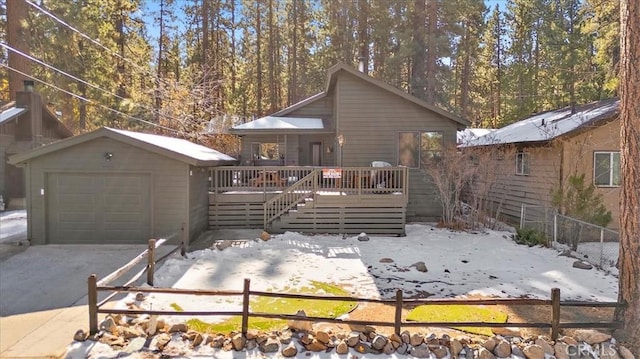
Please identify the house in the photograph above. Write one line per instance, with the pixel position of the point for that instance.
(116, 186)
(550, 147)
(25, 124)
(355, 121)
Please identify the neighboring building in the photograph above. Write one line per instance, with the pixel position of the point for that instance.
(356, 120)
(116, 186)
(550, 147)
(24, 124)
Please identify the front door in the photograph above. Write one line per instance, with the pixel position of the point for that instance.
(316, 154)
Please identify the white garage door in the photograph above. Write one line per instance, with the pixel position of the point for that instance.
(98, 208)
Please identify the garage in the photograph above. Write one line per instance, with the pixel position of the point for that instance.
(117, 187)
(98, 208)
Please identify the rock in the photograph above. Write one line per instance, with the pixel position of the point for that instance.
(432, 339)
(152, 325)
(416, 339)
(108, 324)
(406, 336)
(197, 340)
(548, 349)
(252, 334)
(316, 346)
(162, 340)
(130, 332)
(507, 332)
(379, 342)
(178, 328)
(363, 348)
(306, 339)
(533, 352)
(353, 339)
(582, 265)
(362, 237)
(222, 245)
(140, 297)
(270, 346)
(289, 351)
(490, 344)
(395, 338)
(456, 347)
(516, 351)
(112, 340)
(625, 353)
(285, 337)
(440, 351)
(342, 347)
(568, 340)
(608, 350)
(421, 351)
(238, 342)
(323, 337)
(591, 336)
(80, 336)
(135, 345)
(561, 350)
(217, 342)
(300, 325)
(251, 344)
(420, 266)
(265, 236)
(502, 349)
(485, 353)
(388, 349)
(386, 260)
(403, 349)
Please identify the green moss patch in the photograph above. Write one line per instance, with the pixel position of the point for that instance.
(313, 308)
(458, 313)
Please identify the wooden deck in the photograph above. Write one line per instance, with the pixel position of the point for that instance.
(308, 199)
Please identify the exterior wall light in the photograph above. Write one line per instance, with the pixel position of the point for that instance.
(108, 156)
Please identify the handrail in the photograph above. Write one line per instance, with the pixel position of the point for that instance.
(289, 198)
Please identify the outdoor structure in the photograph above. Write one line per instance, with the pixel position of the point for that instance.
(24, 124)
(115, 186)
(355, 121)
(552, 146)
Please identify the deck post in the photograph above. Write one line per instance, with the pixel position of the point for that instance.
(92, 296)
(151, 261)
(555, 313)
(398, 319)
(245, 306)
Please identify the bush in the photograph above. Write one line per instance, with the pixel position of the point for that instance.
(530, 237)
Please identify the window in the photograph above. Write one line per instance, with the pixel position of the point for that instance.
(265, 151)
(522, 163)
(606, 169)
(416, 147)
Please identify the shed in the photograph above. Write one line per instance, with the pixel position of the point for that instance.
(115, 186)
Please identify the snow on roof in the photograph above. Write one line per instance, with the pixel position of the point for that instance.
(282, 123)
(177, 145)
(469, 134)
(549, 125)
(11, 112)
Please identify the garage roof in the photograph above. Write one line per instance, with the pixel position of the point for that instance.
(176, 148)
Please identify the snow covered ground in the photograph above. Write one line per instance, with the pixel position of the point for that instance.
(459, 264)
(13, 226)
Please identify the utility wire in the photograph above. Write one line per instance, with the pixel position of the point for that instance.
(153, 110)
(96, 42)
(89, 101)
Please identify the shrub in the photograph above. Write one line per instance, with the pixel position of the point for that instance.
(530, 237)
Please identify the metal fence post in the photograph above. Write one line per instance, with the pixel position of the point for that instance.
(522, 214)
(151, 261)
(601, 247)
(555, 313)
(245, 307)
(92, 295)
(398, 319)
(555, 228)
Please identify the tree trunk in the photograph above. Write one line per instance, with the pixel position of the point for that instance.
(629, 282)
(18, 37)
(432, 51)
(418, 70)
(258, 61)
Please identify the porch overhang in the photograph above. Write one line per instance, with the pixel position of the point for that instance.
(282, 125)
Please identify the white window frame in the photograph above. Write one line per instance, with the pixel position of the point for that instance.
(523, 163)
(611, 155)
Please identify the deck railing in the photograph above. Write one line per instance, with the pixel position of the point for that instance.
(291, 197)
(346, 180)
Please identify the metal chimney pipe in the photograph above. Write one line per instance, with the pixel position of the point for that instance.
(361, 64)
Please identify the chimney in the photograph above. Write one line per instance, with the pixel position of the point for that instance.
(28, 85)
(361, 65)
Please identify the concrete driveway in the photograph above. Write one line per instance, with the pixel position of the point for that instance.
(43, 294)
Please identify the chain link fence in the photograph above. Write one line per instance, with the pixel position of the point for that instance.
(597, 245)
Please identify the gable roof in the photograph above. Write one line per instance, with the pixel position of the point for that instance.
(281, 125)
(175, 148)
(332, 76)
(10, 112)
(549, 125)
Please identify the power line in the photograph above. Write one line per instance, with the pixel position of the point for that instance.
(89, 101)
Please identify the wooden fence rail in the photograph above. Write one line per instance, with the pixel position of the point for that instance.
(554, 323)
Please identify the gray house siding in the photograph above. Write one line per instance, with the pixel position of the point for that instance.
(321, 108)
(198, 200)
(4, 143)
(167, 188)
(370, 119)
